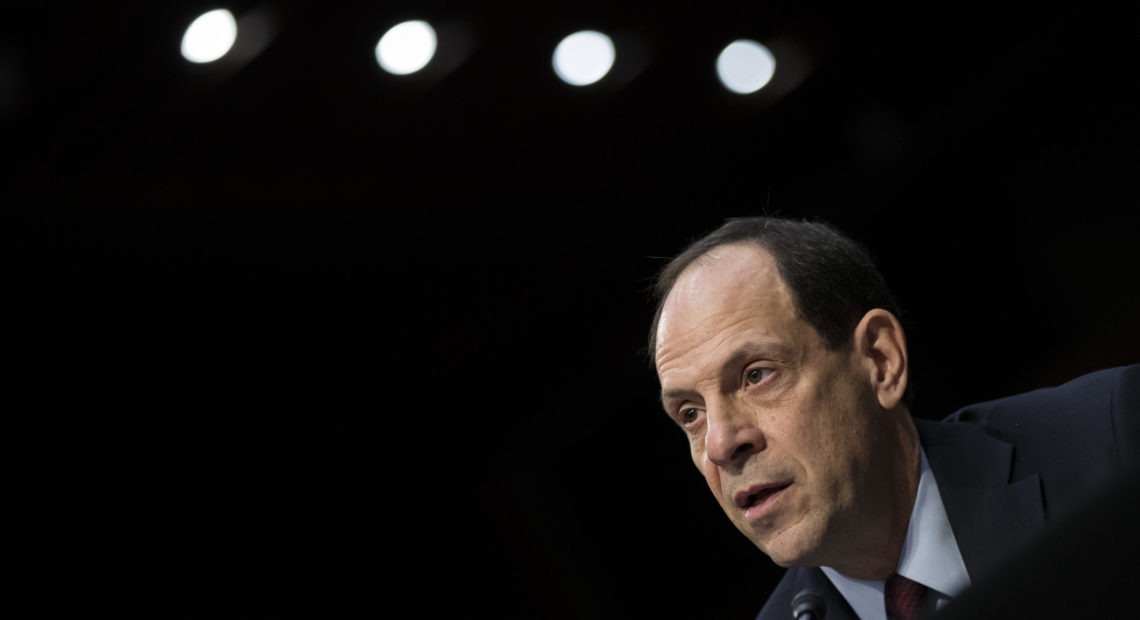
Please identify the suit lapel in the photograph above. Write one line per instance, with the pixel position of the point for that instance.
(987, 511)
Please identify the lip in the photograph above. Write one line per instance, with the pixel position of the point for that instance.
(772, 493)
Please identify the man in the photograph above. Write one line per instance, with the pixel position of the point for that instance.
(781, 356)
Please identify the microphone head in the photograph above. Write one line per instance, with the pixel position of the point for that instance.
(808, 605)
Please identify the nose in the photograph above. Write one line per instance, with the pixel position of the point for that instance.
(731, 435)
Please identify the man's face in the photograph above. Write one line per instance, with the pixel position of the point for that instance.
(781, 428)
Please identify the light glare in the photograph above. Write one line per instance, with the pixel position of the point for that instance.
(406, 47)
(745, 66)
(209, 36)
(583, 57)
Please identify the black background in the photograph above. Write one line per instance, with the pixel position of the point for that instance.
(291, 334)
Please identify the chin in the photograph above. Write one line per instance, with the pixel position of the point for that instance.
(782, 558)
(788, 549)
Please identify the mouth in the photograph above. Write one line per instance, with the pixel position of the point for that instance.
(758, 499)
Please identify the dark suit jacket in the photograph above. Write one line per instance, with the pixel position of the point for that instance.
(1006, 468)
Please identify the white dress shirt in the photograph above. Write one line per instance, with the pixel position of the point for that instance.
(929, 556)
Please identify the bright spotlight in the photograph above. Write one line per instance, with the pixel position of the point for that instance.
(209, 36)
(745, 66)
(406, 47)
(584, 57)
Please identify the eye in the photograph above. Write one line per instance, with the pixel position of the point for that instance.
(756, 375)
(690, 415)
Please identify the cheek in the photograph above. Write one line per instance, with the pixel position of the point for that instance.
(817, 439)
(825, 421)
(798, 435)
(697, 453)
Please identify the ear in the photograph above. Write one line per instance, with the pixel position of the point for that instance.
(881, 344)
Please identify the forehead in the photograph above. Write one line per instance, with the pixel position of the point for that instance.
(728, 265)
(734, 291)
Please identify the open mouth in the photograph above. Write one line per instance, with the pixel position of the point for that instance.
(758, 497)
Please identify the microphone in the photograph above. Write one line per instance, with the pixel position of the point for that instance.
(808, 605)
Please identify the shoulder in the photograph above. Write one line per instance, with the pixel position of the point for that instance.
(1111, 391)
(1085, 426)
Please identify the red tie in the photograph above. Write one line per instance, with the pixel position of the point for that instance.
(904, 598)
